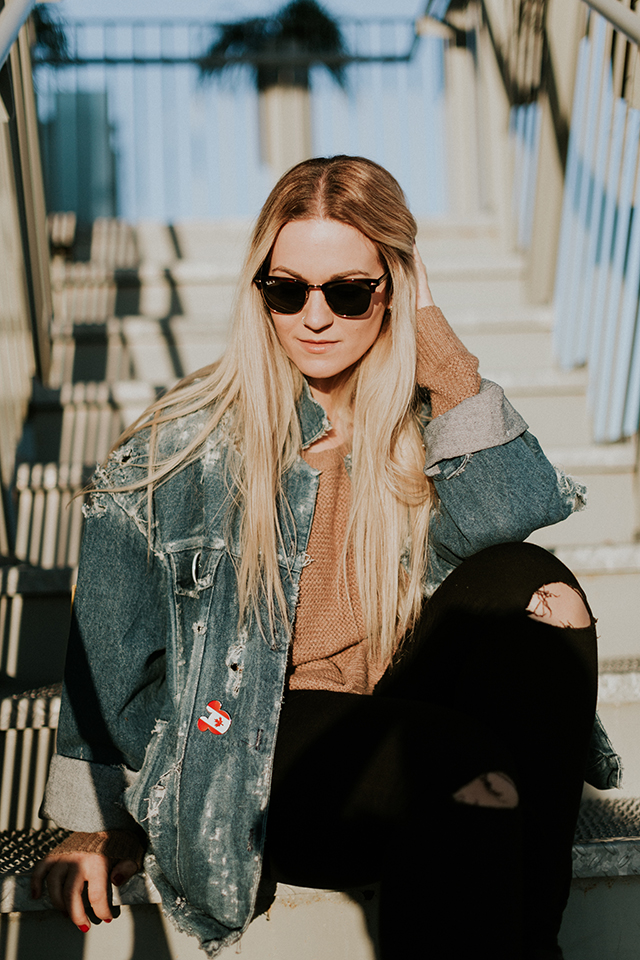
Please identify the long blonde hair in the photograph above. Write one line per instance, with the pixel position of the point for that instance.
(258, 386)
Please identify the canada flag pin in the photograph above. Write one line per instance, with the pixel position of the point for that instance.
(218, 720)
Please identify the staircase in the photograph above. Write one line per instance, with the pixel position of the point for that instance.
(149, 305)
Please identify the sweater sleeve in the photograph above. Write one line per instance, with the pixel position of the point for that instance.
(444, 365)
(115, 844)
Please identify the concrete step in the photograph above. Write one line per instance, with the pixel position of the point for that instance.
(608, 518)
(35, 609)
(610, 575)
(608, 472)
(472, 318)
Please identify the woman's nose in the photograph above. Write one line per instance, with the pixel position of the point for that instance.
(317, 314)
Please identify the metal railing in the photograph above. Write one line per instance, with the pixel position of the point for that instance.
(12, 17)
(176, 145)
(597, 297)
(624, 20)
(597, 277)
(25, 304)
(518, 40)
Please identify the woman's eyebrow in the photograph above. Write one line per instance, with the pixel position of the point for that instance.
(336, 276)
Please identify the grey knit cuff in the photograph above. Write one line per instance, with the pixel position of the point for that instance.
(477, 423)
(86, 796)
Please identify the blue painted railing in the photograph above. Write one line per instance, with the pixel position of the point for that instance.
(12, 17)
(524, 130)
(175, 146)
(597, 297)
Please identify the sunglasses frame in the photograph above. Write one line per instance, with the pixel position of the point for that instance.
(261, 283)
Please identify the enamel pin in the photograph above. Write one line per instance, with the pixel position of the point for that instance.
(218, 720)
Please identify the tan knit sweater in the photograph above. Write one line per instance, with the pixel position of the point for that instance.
(329, 650)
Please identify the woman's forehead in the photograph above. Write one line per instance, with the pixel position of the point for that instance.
(326, 244)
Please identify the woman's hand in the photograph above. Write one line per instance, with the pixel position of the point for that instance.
(423, 296)
(69, 875)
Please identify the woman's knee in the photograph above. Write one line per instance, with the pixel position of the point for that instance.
(559, 605)
(501, 579)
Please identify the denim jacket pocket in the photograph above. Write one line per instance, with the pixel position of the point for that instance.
(194, 566)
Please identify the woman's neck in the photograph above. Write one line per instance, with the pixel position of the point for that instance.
(334, 397)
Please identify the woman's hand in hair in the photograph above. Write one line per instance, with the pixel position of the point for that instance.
(423, 296)
(79, 884)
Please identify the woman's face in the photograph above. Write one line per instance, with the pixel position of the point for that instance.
(321, 344)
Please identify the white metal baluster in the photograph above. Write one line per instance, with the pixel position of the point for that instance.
(626, 326)
(607, 242)
(13, 640)
(601, 370)
(569, 202)
(594, 252)
(572, 318)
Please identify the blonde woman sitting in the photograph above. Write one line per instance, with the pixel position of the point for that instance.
(308, 642)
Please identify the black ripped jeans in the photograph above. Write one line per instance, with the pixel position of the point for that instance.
(362, 786)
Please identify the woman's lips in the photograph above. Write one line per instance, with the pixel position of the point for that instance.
(317, 346)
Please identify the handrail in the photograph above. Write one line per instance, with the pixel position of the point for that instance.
(624, 20)
(13, 16)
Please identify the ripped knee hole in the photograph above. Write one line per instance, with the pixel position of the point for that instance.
(559, 605)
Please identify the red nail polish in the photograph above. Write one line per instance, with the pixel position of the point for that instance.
(84, 928)
(107, 921)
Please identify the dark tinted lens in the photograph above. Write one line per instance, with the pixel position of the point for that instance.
(284, 296)
(348, 299)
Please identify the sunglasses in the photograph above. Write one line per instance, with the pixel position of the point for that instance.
(346, 298)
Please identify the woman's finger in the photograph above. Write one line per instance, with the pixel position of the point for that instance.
(98, 890)
(55, 881)
(38, 874)
(123, 871)
(72, 891)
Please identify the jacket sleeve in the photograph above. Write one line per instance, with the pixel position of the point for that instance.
(115, 675)
(494, 483)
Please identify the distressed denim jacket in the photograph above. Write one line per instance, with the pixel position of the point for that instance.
(154, 640)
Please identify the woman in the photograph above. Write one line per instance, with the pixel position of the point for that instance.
(252, 658)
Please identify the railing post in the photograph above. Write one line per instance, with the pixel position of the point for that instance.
(497, 166)
(565, 20)
(25, 301)
(285, 126)
(32, 201)
(462, 128)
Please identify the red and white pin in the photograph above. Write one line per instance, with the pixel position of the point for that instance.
(218, 720)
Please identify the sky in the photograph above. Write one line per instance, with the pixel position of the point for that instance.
(230, 9)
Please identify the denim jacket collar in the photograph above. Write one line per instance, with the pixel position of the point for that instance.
(312, 416)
